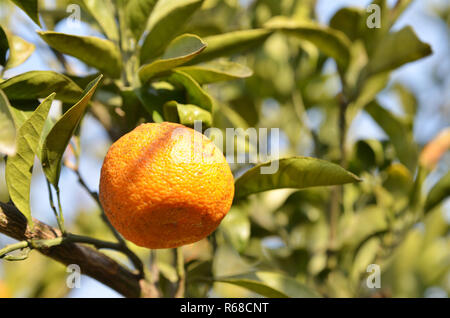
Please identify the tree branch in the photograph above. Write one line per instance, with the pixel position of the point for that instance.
(92, 263)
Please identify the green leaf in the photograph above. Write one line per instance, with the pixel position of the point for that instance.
(331, 42)
(102, 54)
(20, 166)
(103, 13)
(270, 284)
(364, 256)
(166, 23)
(181, 50)
(155, 95)
(59, 136)
(399, 181)
(366, 94)
(408, 101)
(368, 154)
(21, 110)
(39, 84)
(7, 127)
(395, 50)
(292, 172)
(358, 228)
(186, 114)
(398, 132)
(439, 192)
(19, 49)
(229, 43)
(373, 37)
(137, 14)
(30, 7)
(236, 227)
(216, 71)
(348, 21)
(4, 46)
(195, 93)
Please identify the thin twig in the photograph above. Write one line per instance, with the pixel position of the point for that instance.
(13, 247)
(124, 248)
(61, 214)
(179, 263)
(52, 205)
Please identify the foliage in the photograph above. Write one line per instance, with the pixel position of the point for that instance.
(236, 67)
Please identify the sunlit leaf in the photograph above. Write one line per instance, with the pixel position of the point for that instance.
(395, 50)
(270, 284)
(102, 54)
(20, 166)
(103, 13)
(230, 43)
(137, 14)
(180, 50)
(19, 49)
(186, 114)
(40, 84)
(7, 127)
(216, 71)
(293, 172)
(166, 23)
(59, 136)
(21, 110)
(331, 42)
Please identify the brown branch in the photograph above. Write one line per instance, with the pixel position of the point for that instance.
(92, 263)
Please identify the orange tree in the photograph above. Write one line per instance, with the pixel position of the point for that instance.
(228, 66)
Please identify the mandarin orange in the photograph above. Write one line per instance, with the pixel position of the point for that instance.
(164, 185)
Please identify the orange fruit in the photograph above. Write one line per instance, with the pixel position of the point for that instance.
(165, 185)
